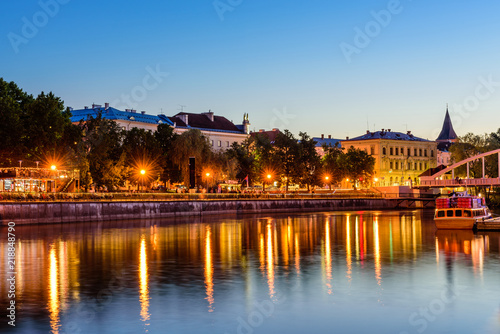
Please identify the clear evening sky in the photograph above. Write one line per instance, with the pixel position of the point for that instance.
(323, 67)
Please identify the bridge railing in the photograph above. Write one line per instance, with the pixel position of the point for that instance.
(429, 182)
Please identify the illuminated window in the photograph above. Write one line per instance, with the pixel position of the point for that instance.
(219, 143)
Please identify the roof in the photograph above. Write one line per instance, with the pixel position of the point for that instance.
(272, 134)
(116, 115)
(327, 141)
(203, 121)
(432, 171)
(447, 133)
(388, 135)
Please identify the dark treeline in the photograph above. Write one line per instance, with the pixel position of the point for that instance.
(39, 129)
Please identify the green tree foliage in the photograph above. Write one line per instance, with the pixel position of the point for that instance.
(357, 165)
(243, 159)
(309, 162)
(105, 156)
(34, 129)
(286, 158)
(192, 143)
(165, 138)
(331, 163)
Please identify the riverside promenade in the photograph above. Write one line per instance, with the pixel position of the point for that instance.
(69, 208)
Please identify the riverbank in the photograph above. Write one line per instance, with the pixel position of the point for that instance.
(68, 212)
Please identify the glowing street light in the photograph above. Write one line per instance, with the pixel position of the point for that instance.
(53, 167)
(207, 175)
(143, 173)
(327, 179)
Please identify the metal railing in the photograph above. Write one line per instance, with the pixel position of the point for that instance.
(121, 196)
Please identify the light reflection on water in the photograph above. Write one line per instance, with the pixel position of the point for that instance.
(348, 272)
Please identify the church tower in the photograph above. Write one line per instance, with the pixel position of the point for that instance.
(447, 134)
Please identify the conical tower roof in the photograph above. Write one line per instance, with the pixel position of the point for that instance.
(447, 133)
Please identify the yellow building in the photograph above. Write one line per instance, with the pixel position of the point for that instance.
(399, 158)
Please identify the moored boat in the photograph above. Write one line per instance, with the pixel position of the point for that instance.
(460, 212)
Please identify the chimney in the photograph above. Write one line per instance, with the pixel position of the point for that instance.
(127, 110)
(133, 110)
(367, 132)
(86, 107)
(346, 138)
(322, 136)
(209, 114)
(408, 133)
(143, 112)
(388, 130)
(329, 136)
(261, 130)
(106, 105)
(276, 130)
(184, 118)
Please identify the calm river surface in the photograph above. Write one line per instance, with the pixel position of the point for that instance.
(325, 272)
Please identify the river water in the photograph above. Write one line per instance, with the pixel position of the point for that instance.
(325, 272)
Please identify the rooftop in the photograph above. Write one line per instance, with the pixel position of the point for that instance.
(388, 134)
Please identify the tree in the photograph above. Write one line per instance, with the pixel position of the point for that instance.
(286, 156)
(309, 162)
(192, 143)
(165, 136)
(244, 159)
(331, 163)
(357, 165)
(106, 159)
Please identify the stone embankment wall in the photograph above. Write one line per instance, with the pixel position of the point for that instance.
(65, 212)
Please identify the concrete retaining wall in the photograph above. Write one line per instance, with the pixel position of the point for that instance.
(63, 212)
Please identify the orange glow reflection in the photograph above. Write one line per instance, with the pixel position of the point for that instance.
(328, 258)
(54, 303)
(378, 265)
(209, 271)
(270, 260)
(348, 256)
(143, 281)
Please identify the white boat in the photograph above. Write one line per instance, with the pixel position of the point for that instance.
(460, 212)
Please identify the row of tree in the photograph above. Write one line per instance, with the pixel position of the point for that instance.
(39, 129)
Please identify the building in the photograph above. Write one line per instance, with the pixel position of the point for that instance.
(446, 138)
(25, 179)
(320, 141)
(399, 157)
(221, 132)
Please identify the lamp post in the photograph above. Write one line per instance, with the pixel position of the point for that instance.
(269, 179)
(327, 178)
(143, 172)
(207, 175)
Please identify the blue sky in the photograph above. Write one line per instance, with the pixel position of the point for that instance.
(288, 64)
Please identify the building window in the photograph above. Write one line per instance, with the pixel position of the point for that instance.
(384, 151)
(425, 153)
(227, 144)
(396, 165)
(432, 153)
(372, 150)
(420, 165)
(425, 165)
(420, 152)
(397, 151)
(390, 165)
(391, 151)
(212, 143)
(409, 152)
(415, 152)
(219, 143)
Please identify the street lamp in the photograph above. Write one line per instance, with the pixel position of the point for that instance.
(207, 175)
(327, 179)
(143, 172)
(53, 167)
